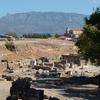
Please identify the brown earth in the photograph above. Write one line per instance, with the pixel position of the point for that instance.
(34, 48)
(37, 48)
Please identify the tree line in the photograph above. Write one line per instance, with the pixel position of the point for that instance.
(37, 35)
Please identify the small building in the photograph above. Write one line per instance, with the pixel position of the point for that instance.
(75, 33)
(71, 34)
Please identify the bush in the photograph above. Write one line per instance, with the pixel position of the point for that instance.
(56, 35)
(9, 39)
(11, 34)
(10, 46)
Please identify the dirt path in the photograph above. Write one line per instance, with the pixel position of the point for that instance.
(85, 92)
(4, 89)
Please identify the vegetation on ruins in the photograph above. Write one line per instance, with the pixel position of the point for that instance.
(89, 42)
(37, 35)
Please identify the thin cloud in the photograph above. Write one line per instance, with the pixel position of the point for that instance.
(95, 1)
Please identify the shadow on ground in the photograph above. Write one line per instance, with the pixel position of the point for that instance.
(81, 94)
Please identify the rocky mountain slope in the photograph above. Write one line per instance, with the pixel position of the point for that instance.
(40, 22)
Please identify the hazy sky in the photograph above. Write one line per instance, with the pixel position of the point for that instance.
(77, 6)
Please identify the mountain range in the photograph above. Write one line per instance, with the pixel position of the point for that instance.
(40, 22)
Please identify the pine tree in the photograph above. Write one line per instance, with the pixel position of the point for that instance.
(89, 41)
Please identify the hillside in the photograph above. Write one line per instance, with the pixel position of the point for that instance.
(35, 48)
(40, 22)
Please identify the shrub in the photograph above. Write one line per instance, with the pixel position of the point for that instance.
(56, 35)
(11, 34)
(10, 46)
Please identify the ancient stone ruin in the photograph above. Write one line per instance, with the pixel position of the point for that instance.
(21, 90)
